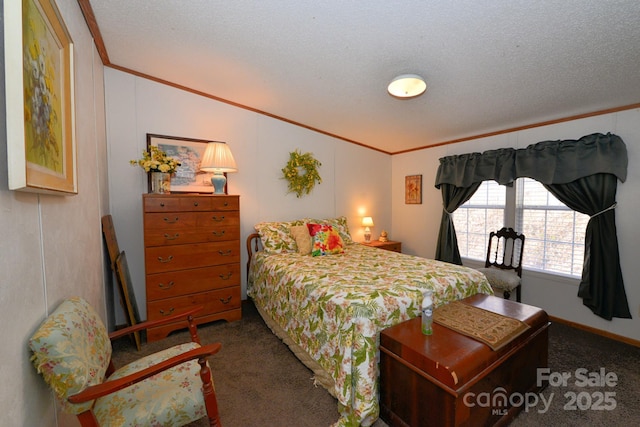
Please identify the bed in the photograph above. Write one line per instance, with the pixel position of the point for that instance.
(330, 309)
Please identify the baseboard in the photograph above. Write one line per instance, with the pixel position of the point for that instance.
(626, 340)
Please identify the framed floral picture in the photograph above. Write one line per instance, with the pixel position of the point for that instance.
(413, 190)
(39, 70)
(188, 151)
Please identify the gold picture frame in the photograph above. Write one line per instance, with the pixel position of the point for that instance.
(39, 83)
(413, 190)
(189, 152)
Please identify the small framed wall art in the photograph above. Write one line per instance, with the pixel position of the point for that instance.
(189, 152)
(413, 190)
(39, 70)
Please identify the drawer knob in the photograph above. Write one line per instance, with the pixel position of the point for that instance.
(225, 253)
(174, 237)
(170, 221)
(167, 313)
(162, 204)
(195, 204)
(218, 233)
(226, 300)
(218, 218)
(226, 203)
(166, 286)
(165, 260)
(226, 276)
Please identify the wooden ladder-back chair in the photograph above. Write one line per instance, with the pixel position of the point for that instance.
(503, 266)
(72, 351)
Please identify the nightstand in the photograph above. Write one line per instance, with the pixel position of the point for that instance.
(389, 245)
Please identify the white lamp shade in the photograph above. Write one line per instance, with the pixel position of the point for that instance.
(218, 158)
(367, 221)
(407, 86)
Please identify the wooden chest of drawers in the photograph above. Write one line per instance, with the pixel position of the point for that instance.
(192, 257)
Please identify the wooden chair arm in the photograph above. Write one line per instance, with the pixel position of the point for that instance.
(148, 324)
(108, 387)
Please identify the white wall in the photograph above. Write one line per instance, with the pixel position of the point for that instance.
(417, 225)
(51, 246)
(355, 180)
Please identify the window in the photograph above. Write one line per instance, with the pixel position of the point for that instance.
(476, 218)
(554, 232)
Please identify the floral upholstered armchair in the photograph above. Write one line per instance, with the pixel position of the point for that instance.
(72, 351)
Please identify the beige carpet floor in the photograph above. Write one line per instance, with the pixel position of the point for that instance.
(259, 382)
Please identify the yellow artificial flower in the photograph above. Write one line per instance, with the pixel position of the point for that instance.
(156, 160)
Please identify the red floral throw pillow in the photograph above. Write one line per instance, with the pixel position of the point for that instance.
(325, 240)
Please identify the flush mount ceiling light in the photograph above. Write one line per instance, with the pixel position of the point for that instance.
(407, 86)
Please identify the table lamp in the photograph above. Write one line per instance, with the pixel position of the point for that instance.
(218, 159)
(367, 222)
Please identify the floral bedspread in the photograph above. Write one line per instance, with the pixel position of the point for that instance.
(334, 307)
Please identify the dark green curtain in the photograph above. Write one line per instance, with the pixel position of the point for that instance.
(549, 162)
(458, 179)
(565, 168)
(559, 162)
(466, 169)
(601, 287)
(452, 197)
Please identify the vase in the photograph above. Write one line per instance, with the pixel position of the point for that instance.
(160, 182)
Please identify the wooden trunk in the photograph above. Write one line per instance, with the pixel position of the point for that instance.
(449, 379)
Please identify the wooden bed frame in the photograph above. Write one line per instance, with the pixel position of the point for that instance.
(253, 245)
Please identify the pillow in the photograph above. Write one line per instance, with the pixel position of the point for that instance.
(339, 224)
(276, 236)
(302, 237)
(325, 240)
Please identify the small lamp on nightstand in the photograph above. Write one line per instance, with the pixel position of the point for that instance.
(367, 222)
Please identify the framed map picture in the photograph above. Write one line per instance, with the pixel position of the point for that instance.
(41, 150)
(413, 190)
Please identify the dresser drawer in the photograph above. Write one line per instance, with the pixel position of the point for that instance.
(227, 219)
(170, 221)
(196, 235)
(157, 203)
(209, 227)
(225, 203)
(184, 282)
(161, 259)
(189, 203)
(213, 302)
(187, 220)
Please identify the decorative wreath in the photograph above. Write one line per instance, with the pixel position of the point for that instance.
(301, 183)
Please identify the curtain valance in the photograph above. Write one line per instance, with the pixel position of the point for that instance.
(549, 162)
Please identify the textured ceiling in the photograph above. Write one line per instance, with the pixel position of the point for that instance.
(489, 65)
